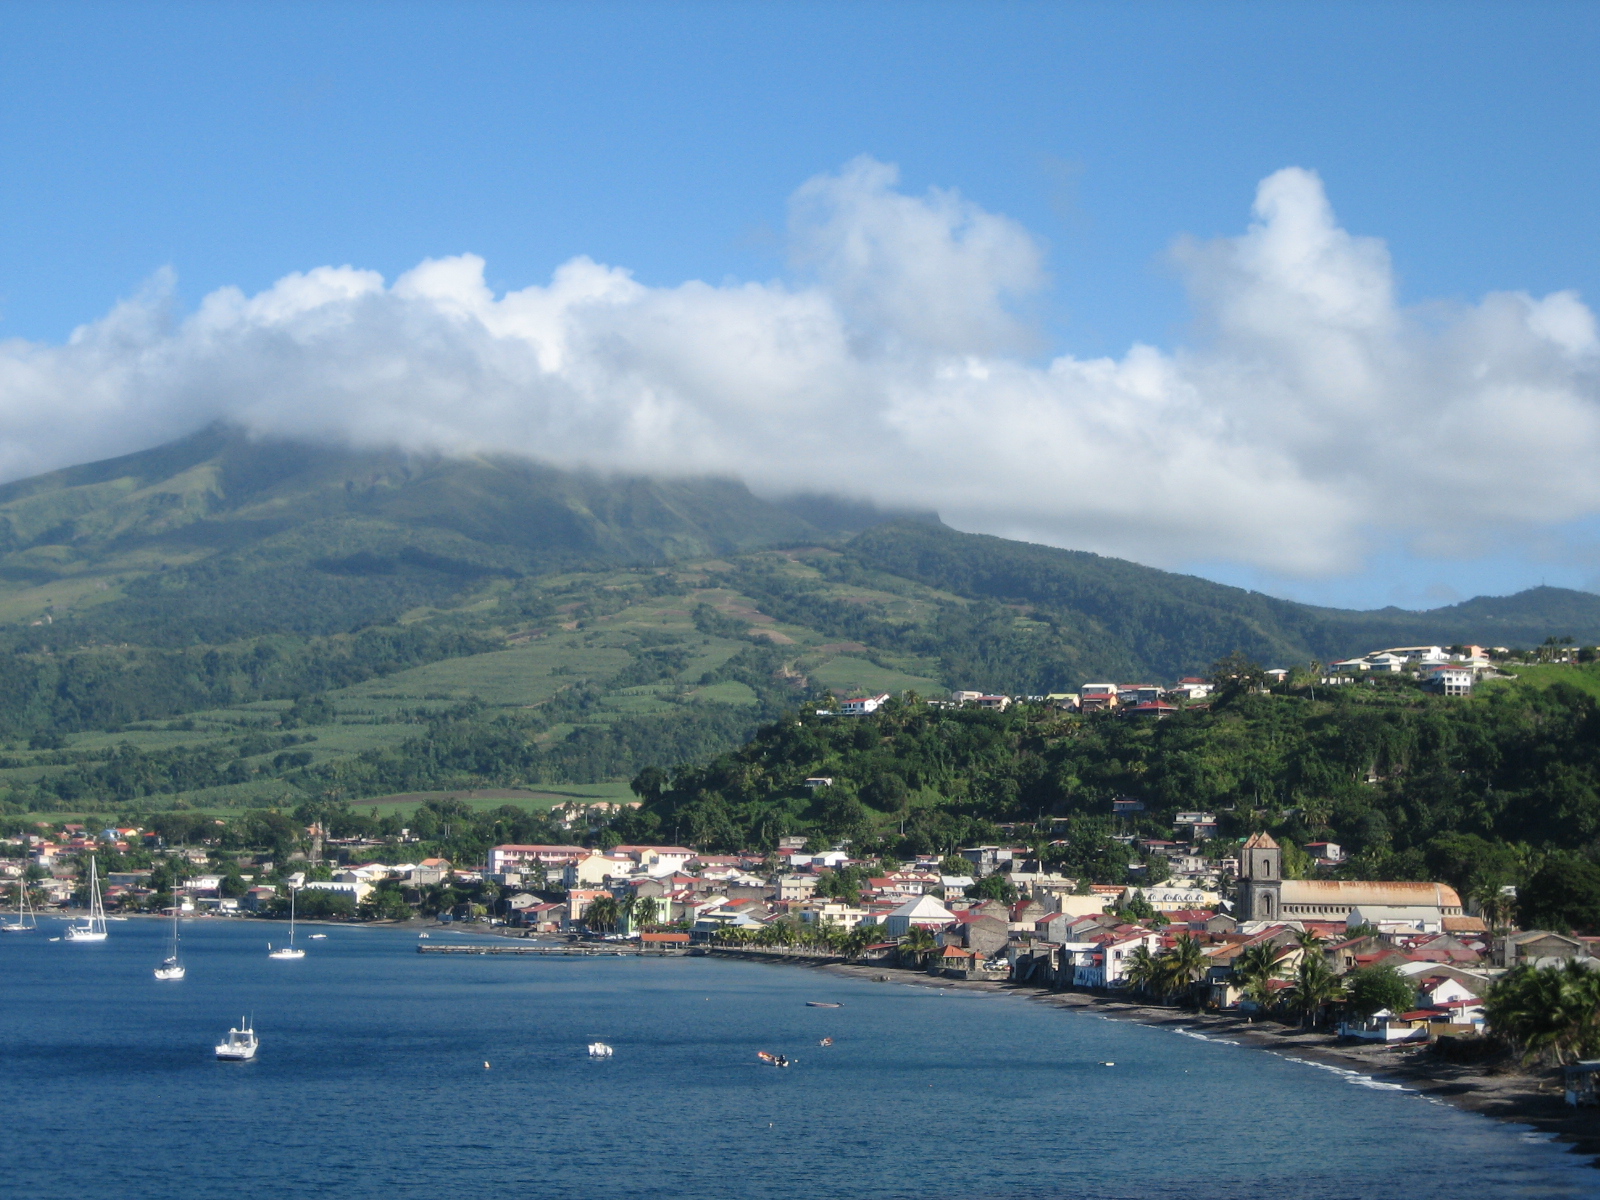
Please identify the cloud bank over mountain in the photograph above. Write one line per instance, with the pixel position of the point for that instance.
(1311, 413)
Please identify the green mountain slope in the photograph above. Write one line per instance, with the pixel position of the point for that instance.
(218, 536)
(221, 621)
(1127, 620)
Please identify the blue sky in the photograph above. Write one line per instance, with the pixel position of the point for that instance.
(236, 144)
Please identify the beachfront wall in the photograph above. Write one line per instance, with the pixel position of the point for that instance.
(1385, 1027)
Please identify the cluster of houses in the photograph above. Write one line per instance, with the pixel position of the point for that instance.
(1059, 933)
(202, 888)
(1451, 672)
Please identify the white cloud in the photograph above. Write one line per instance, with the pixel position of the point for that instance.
(1311, 413)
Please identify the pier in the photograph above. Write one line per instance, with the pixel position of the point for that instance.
(578, 951)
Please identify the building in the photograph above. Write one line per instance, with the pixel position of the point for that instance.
(1265, 895)
(1449, 679)
(594, 870)
(862, 705)
(981, 699)
(526, 858)
(658, 860)
(924, 913)
(1094, 697)
(986, 860)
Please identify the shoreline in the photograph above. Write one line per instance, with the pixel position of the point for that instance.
(1490, 1089)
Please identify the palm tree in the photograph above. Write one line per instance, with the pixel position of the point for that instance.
(1143, 969)
(917, 944)
(1315, 985)
(1495, 905)
(601, 915)
(1308, 941)
(646, 911)
(1185, 964)
(1547, 1011)
(1256, 968)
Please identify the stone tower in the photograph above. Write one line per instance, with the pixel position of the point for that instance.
(1260, 879)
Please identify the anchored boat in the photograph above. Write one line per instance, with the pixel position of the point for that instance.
(171, 968)
(240, 1045)
(289, 951)
(25, 922)
(93, 928)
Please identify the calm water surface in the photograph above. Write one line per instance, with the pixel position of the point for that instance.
(371, 1082)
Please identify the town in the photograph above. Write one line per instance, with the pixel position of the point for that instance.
(1206, 922)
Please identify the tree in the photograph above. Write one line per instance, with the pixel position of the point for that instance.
(1137, 908)
(1256, 968)
(1142, 970)
(1183, 965)
(1374, 989)
(1236, 674)
(1547, 1012)
(954, 864)
(916, 945)
(601, 915)
(993, 887)
(1563, 894)
(646, 911)
(1315, 987)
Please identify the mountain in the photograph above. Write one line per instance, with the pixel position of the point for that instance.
(219, 536)
(225, 621)
(1139, 621)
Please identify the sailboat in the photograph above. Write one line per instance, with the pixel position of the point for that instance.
(288, 951)
(240, 1045)
(171, 967)
(25, 921)
(93, 929)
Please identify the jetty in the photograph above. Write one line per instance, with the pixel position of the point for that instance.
(577, 951)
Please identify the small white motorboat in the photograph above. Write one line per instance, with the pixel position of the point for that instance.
(240, 1045)
(318, 937)
(600, 1050)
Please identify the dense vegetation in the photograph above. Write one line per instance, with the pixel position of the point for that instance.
(1500, 789)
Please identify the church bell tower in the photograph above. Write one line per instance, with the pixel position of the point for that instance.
(1260, 879)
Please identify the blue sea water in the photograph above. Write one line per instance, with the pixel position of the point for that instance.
(371, 1083)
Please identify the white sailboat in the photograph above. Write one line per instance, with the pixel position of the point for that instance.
(240, 1045)
(25, 921)
(288, 951)
(93, 928)
(171, 967)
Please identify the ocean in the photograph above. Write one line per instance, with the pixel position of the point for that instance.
(371, 1082)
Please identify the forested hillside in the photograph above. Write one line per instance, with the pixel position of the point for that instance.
(223, 622)
(1480, 792)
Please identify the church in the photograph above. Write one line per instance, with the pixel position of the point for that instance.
(1265, 895)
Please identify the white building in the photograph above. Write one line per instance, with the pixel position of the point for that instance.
(862, 705)
(1452, 679)
(924, 912)
(1397, 919)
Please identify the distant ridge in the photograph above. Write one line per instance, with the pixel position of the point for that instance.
(220, 536)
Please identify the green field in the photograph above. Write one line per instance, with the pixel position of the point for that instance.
(1584, 676)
